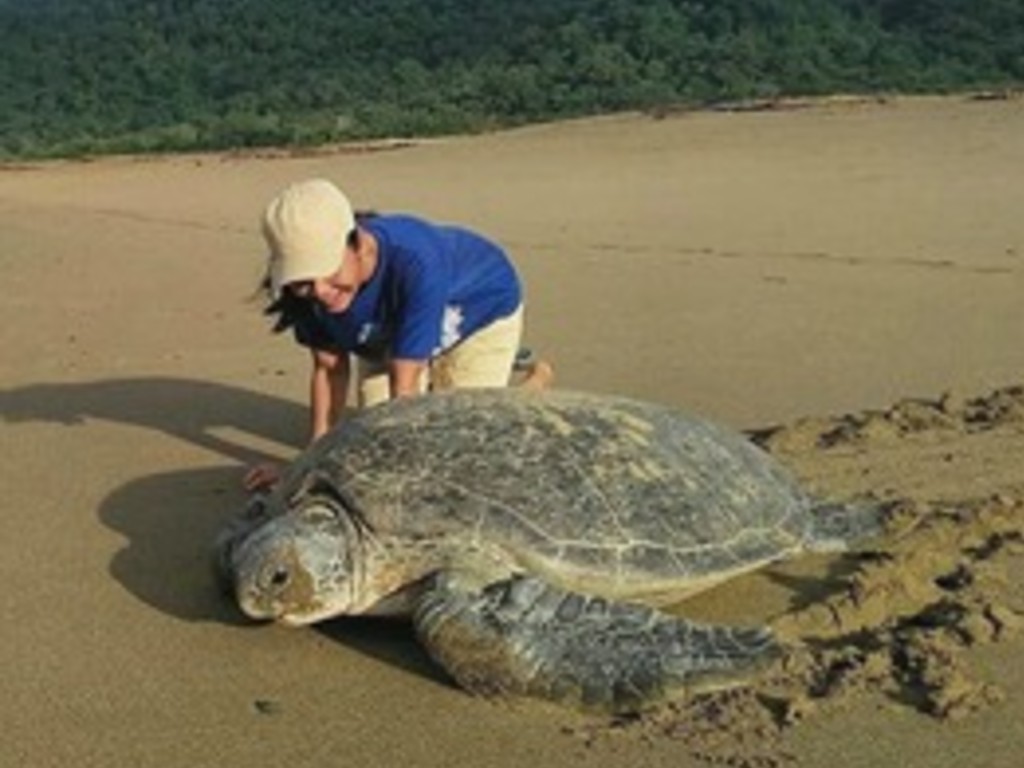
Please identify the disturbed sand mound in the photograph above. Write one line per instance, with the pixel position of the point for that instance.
(908, 608)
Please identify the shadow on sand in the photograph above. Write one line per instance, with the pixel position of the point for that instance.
(171, 520)
(183, 408)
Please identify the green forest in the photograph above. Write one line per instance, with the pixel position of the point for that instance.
(97, 76)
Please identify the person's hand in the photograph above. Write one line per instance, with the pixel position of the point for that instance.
(261, 477)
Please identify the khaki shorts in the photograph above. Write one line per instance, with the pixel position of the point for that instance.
(484, 359)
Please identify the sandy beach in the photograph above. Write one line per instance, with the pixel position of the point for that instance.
(843, 281)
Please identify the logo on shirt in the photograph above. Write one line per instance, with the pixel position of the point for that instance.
(366, 333)
(451, 326)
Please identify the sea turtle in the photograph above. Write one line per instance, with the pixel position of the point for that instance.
(531, 537)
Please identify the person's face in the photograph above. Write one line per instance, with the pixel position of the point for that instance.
(334, 292)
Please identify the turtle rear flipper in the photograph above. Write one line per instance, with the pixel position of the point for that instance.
(522, 636)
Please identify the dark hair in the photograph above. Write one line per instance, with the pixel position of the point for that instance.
(287, 309)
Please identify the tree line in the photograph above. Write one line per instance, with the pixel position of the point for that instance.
(93, 76)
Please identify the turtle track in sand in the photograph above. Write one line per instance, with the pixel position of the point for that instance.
(910, 606)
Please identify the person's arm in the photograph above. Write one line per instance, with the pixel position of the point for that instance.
(328, 389)
(405, 377)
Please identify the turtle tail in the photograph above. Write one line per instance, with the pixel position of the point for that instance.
(838, 527)
(526, 637)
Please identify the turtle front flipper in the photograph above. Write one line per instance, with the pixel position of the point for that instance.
(522, 636)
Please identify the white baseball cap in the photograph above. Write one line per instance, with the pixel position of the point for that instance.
(306, 228)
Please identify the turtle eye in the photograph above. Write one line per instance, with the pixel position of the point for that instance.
(279, 577)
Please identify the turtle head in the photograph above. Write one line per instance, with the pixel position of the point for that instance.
(298, 567)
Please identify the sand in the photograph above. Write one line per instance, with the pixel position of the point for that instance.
(842, 281)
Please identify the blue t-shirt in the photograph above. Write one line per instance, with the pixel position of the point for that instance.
(433, 286)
